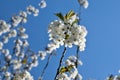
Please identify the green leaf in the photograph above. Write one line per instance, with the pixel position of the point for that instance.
(63, 70)
(24, 61)
(60, 16)
(65, 17)
(70, 14)
(70, 67)
(66, 69)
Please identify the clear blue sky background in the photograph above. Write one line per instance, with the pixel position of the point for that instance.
(102, 19)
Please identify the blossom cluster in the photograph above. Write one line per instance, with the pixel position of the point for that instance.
(25, 75)
(21, 59)
(70, 72)
(63, 33)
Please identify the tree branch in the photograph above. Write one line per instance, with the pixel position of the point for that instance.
(60, 63)
(45, 67)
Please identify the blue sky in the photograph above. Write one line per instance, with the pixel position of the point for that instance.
(102, 54)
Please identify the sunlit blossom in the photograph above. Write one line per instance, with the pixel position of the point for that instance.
(84, 3)
(43, 4)
(68, 35)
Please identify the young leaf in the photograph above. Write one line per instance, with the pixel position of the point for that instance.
(70, 14)
(24, 61)
(63, 70)
(70, 67)
(60, 16)
(65, 17)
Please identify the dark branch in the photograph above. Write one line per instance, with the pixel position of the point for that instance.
(60, 63)
(45, 67)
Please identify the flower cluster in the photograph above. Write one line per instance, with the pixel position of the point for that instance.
(68, 33)
(69, 72)
(32, 9)
(16, 20)
(63, 32)
(72, 61)
(21, 59)
(4, 27)
(25, 75)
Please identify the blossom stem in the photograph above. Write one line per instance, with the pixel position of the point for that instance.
(77, 51)
(60, 62)
(77, 56)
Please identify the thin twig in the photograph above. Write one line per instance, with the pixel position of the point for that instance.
(77, 56)
(60, 63)
(77, 51)
(45, 67)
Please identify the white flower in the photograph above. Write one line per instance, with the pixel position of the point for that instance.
(80, 62)
(34, 57)
(8, 57)
(6, 52)
(35, 63)
(16, 64)
(74, 73)
(72, 61)
(19, 42)
(84, 3)
(79, 77)
(5, 39)
(52, 46)
(23, 76)
(116, 77)
(63, 76)
(3, 68)
(83, 31)
(4, 27)
(1, 45)
(17, 49)
(23, 35)
(22, 29)
(36, 12)
(23, 14)
(118, 71)
(82, 46)
(30, 9)
(42, 54)
(16, 20)
(7, 75)
(22, 55)
(13, 33)
(43, 4)
(25, 43)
